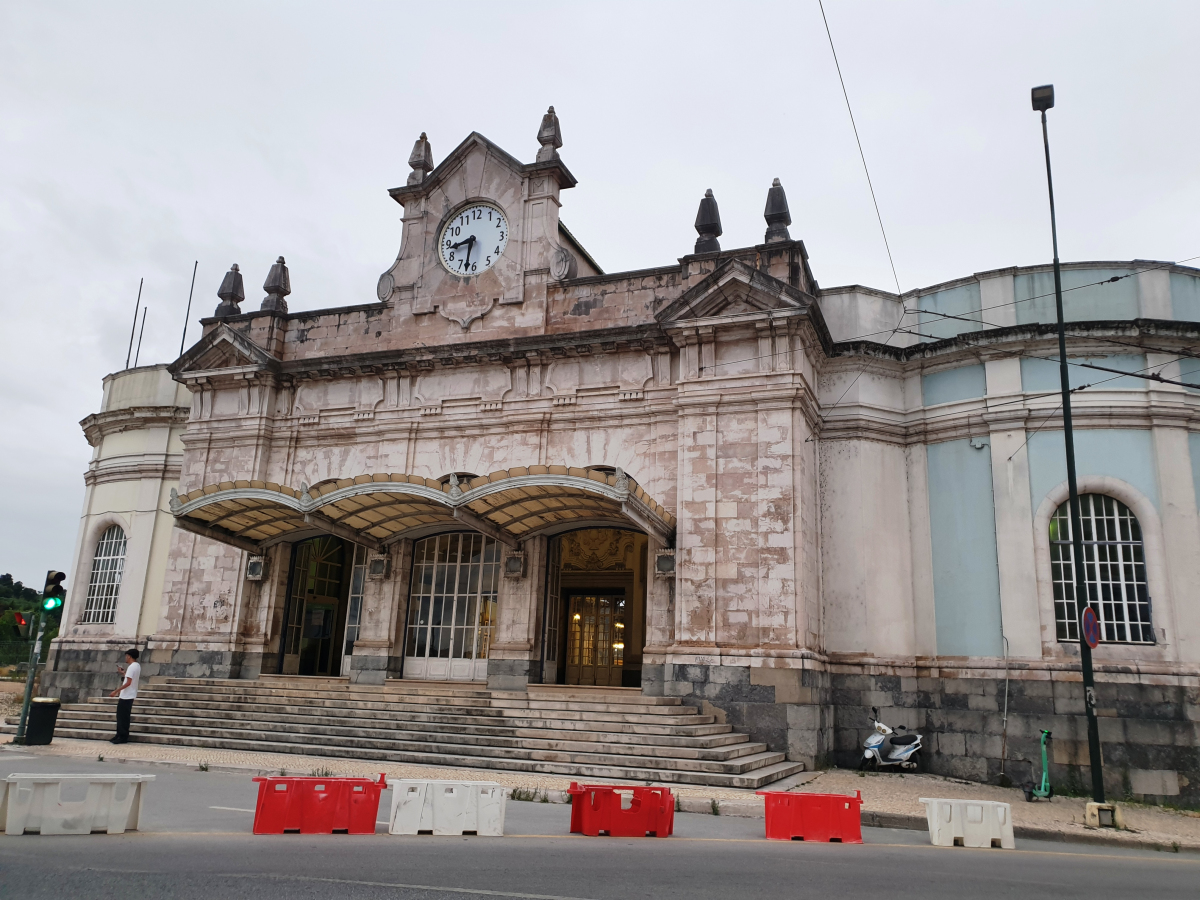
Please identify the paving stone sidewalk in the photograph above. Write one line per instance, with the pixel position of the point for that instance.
(888, 798)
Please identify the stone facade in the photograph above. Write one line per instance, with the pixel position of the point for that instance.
(846, 494)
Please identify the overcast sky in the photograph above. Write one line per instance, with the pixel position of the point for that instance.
(138, 137)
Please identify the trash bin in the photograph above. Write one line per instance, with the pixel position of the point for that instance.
(43, 713)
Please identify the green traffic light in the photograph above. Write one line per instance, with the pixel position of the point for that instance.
(51, 603)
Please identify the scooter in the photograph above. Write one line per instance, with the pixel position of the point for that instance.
(886, 748)
(1045, 789)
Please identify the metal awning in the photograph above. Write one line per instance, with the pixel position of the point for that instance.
(509, 505)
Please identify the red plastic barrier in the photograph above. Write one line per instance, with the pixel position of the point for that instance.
(596, 809)
(317, 805)
(813, 817)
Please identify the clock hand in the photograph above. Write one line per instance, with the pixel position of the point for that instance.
(470, 244)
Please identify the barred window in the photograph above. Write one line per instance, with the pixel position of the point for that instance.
(1114, 570)
(105, 583)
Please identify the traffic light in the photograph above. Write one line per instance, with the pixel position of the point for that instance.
(54, 593)
(22, 623)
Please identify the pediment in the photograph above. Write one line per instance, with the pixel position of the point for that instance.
(223, 349)
(475, 144)
(735, 288)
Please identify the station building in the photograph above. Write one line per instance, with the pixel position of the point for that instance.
(714, 480)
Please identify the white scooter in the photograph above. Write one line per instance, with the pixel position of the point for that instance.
(886, 748)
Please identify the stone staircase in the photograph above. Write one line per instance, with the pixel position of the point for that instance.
(610, 733)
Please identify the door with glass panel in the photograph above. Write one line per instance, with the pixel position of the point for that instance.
(313, 628)
(595, 637)
(451, 607)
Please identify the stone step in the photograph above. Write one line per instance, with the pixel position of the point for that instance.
(286, 717)
(683, 717)
(515, 723)
(581, 732)
(496, 699)
(385, 738)
(752, 774)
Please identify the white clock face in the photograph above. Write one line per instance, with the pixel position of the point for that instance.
(472, 241)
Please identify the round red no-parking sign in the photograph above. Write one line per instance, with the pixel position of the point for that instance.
(1091, 627)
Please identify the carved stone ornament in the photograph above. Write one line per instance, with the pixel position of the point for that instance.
(231, 293)
(421, 160)
(622, 481)
(598, 550)
(549, 136)
(278, 285)
(455, 490)
(385, 287)
(174, 502)
(465, 317)
(563, 264)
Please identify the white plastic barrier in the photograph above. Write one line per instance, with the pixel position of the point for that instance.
(446, 807)
(969, 823)
(33, 803)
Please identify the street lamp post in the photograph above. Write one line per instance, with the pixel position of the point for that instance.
(1043, 99)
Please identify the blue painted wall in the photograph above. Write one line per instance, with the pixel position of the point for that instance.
(1189, 371)
(1185, 297)
(1042, 374)
(1118, 300)
(966, 575)
(1124, 453)
(1194, 452)
(963, 383)
(958, 301)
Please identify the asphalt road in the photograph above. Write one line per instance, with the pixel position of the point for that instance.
(196, 843)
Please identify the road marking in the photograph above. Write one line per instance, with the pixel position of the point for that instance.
(231, 809)
(478, 892)
(31, 756)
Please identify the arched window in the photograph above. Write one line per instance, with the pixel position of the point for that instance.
(1114, 567)
(105, 583)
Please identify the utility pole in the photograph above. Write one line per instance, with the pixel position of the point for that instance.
(1043, 99)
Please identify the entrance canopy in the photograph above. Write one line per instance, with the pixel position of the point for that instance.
(373, 510)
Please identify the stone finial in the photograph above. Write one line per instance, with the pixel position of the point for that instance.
(278, 285)
(231, 293)
(549, 136)
(421, 160)
(708, 224)
(777, 215)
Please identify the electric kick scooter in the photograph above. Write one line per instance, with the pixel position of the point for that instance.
(1045, 789)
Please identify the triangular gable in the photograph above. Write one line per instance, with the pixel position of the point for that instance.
(458, 156)
(735, 287)
(223, 348)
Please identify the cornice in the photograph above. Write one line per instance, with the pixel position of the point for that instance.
(97, 425)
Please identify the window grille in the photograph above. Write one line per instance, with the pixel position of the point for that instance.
(104, 585)
(452, 606)
(1114, 569)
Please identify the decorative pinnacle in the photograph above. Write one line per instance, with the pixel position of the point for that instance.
(549, 136)
(421, 160)
(708, 224)
(777, 215)
(231, 293)
(278, 285)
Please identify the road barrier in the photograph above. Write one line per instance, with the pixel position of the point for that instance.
(969, 823)
(317, 805)
(598, 809)
(813, 817)
(33, 804)
(446, 807)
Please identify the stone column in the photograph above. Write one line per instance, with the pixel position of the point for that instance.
(1176, 617)
(660, 620)
(516, 645)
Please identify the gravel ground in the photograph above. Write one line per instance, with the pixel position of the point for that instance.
(887, 792)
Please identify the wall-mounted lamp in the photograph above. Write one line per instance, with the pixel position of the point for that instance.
(378, 567)
(514, 564)
(664, 564)
(256, 568)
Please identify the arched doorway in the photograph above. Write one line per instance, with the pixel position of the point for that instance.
(595, 615)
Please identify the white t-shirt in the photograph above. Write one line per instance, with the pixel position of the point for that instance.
(134, 674)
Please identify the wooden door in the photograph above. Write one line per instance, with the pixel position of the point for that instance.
(595, 637)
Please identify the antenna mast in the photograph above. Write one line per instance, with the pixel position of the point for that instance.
(129, 352)
(188, 314)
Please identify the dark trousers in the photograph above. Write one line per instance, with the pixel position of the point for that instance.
(124, 710)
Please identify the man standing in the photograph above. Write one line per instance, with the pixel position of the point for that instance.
(126, 694)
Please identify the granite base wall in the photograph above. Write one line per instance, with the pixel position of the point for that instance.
(1143, 728)
(509, 674)
(787, 709)
(74, 675)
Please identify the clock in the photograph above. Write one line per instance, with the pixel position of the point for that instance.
(473, 239)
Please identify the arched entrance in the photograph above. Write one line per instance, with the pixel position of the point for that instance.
(595, 615)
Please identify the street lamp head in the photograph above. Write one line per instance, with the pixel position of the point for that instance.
(1043, 98)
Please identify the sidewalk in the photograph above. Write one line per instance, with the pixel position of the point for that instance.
(889, 799)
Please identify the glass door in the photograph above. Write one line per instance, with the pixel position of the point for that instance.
(309, 638)
(451, 607)
(595, 638)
